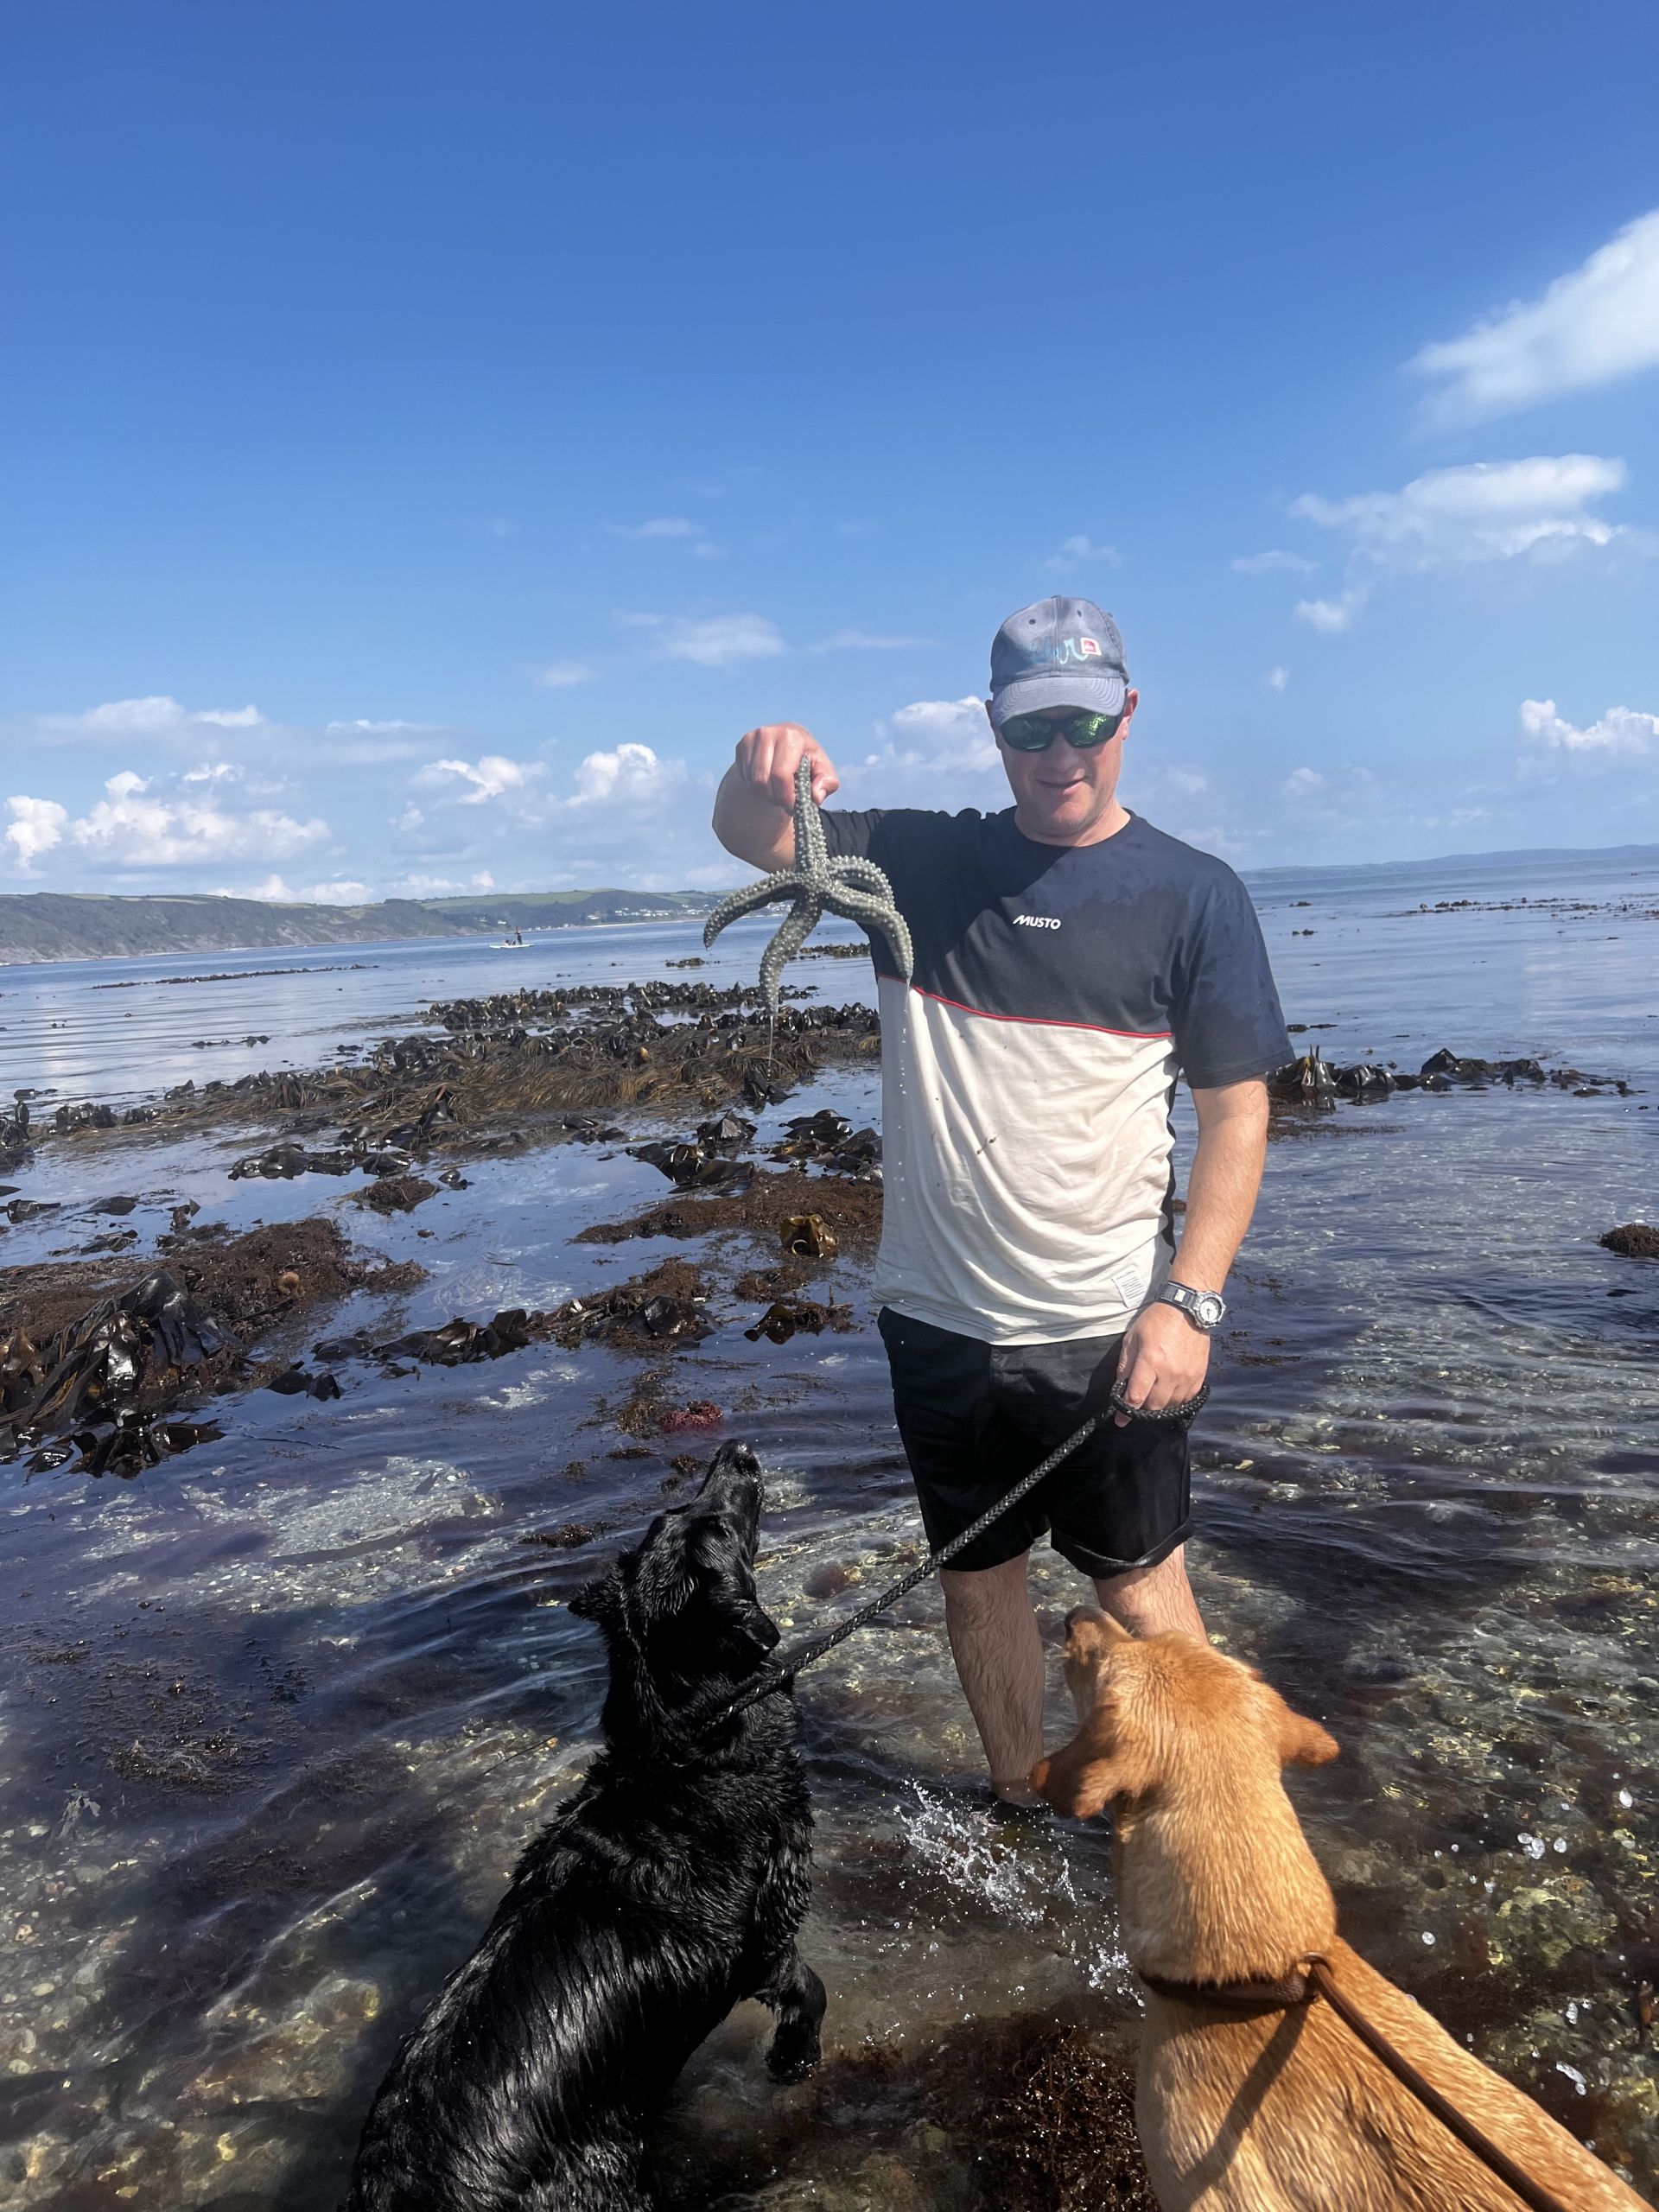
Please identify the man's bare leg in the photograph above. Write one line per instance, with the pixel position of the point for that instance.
(998, 1657)
(1149, 1599)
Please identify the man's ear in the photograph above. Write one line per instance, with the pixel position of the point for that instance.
(1302, 1742)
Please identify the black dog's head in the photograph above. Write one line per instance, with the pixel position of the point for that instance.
(679, 1611)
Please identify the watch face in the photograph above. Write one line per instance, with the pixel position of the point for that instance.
(1209, 1308)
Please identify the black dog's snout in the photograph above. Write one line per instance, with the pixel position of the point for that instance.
(734, 1459)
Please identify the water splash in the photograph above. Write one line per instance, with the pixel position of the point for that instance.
(1020, 1870)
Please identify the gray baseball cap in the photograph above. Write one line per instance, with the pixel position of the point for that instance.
(1060, 652)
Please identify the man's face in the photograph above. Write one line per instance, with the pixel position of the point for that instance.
(1067, 796)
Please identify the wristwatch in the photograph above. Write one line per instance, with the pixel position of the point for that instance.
(1205, 1309)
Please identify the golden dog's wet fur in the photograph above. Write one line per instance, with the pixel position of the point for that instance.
(1276, 2111)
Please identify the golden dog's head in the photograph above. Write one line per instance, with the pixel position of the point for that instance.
(1155, 1711)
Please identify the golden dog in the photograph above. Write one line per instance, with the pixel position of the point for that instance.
(1281, 2108)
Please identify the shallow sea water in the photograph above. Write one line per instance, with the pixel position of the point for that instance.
(278, 1715)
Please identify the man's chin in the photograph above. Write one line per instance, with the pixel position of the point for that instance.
(1061, 818)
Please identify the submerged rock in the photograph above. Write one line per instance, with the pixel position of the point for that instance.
(788, 1317)
(396, 1193)
(1637, 1240)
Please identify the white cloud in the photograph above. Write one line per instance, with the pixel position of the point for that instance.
(1189, 782)
(438, 887)
(1276, 679)
(136, 826)
(692, 535)
(1621, 733)
(632, 776)
(1331, 615)
(1451, 518)
(710, 641)
(37, 824)
(1268, 564)
(1487, 511)
(491, 776)
(659, 526)
(933, 753)
(346, 892)
(360, 726)
(561, 675)
(1303, 783)
(864, 641)
(1075, 551)
(1598, 323)
(158, 720)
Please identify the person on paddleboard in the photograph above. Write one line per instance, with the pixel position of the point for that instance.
(1072, 963)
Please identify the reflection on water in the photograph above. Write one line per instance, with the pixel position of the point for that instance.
(279, 1713)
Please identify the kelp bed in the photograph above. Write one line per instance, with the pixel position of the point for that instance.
(106, 1367)
(516, 1068)
(1028, 2112)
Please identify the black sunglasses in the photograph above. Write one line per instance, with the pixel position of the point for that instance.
(1035, 732)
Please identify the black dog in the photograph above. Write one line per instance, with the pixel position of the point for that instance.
(671, 1887)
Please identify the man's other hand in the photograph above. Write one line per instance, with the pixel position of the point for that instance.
(1163, 1362)
(768, 756)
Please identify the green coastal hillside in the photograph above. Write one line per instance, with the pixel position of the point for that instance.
(86, 925)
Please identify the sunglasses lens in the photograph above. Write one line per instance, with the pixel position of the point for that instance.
(1035, 732)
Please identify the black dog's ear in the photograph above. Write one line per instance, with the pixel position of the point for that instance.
(600, 1600)
(719, 1558)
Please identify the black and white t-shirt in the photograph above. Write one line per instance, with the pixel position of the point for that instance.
(1028, 1070)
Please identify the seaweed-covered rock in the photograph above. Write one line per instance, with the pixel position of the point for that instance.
(1637, 1240)
(97, 1380)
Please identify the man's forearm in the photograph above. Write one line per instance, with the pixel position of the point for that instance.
(1226, 1175)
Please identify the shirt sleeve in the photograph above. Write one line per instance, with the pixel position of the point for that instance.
(1227, 1022)
(849, 835)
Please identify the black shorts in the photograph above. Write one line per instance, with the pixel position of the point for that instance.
(973, 1417)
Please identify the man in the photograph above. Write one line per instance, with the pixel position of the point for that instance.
(1070, 961)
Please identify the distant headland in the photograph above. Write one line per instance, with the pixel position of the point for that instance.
(91, 926)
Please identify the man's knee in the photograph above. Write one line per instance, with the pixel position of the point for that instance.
(983, 1595)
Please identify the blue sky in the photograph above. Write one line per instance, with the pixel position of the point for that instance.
(436, 433)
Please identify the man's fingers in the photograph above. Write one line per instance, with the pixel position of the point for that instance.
(769, 755)
(1132, 1386)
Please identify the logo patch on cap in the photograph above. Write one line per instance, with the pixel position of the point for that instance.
(1089, 646)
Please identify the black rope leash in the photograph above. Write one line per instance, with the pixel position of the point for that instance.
(783, 1672)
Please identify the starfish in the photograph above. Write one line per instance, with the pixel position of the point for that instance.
(856, 889)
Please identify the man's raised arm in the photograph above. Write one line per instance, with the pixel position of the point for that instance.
(754, 807)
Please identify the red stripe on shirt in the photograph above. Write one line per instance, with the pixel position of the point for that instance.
(1032, 1020)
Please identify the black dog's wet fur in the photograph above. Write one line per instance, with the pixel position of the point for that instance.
(671, 1887)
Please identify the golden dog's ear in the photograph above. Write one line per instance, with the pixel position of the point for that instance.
(1302, 1742)
(1078, 1780)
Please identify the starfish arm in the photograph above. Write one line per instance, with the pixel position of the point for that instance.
(811, 853)
(783, 885)
(793, 932)
(870, 913)
(865, 873)
(861, 907)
